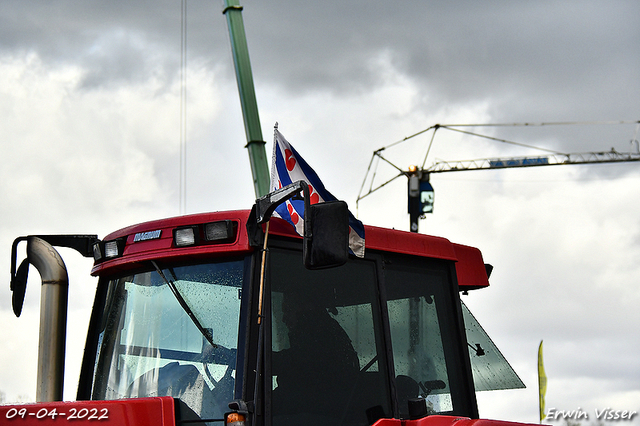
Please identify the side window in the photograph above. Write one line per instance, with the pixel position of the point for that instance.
(327, 358)
(418, 354)
(491, 370)
(420, 313)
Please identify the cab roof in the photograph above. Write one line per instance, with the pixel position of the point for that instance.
(154, 240)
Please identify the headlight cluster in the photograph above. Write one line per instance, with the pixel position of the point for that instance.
(220, 232)
(223, 231)
(103, 250)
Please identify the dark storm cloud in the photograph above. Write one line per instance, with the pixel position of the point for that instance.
(465, 51)
(532, 60)
(528, 61)
(114, 42)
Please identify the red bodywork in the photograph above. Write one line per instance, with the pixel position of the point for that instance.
(158, 411)
(438, 420)
(470, 267)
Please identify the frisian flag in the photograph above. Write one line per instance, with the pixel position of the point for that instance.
(287, 166)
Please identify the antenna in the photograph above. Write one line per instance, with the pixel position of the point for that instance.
(183, 108)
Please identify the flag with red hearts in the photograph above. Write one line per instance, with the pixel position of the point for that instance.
(287, 166)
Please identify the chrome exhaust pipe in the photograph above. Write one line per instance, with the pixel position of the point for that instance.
(53, 318)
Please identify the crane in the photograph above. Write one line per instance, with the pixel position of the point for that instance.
(420, 191)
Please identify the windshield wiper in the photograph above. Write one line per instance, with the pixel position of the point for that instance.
(183, 303)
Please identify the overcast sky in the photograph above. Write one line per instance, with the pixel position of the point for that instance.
(90, 142)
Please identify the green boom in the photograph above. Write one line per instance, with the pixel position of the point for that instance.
(255, 142)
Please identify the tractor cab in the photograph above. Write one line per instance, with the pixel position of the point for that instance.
(244, 322)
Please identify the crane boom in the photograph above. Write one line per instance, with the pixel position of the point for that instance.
(553, 158)
(612, 156)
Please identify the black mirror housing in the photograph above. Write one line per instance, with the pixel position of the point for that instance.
(326, 225)
(326, 239)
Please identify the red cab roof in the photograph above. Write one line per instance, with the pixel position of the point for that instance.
(470, 267)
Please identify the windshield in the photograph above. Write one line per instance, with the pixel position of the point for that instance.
(173, 332)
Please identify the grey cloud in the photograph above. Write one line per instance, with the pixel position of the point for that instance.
(533, 61)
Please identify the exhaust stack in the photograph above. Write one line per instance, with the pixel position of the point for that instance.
(53, 318)
(53, 303)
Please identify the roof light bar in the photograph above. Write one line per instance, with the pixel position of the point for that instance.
(183, 237)
(104, 250)
(97, 252)
(223, 231)
(111, 249)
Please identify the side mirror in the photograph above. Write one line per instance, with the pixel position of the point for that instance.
(19, 287)
(326, 226)
(83, 244)
(326, 239)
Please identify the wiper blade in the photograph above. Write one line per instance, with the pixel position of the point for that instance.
(183, 303)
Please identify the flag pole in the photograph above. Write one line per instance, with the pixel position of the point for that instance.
(262, 268)
(264, 252)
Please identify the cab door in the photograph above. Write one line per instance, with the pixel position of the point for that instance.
(353, 344)
(328, 358)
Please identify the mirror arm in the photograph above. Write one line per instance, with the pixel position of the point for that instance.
(267, 204)
(325, 236)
